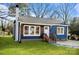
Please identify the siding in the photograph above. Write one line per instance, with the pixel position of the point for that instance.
(53, 29)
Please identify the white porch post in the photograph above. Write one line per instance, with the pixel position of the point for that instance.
(16, 28)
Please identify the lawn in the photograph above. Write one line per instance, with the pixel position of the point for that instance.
(9, 47)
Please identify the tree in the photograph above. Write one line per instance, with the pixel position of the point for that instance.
(42, 10)
(3, 15)
(65, 10)
(74, 27)
(55, 10)
(48, 10)
(22, 7)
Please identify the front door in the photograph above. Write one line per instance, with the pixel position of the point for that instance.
(46, 30)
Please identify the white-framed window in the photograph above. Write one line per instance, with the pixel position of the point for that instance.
(37, 28)
(60, 30)
(29, 30)
(25, 30)
(32, 30)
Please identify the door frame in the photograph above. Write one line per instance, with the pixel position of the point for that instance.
(47, 30)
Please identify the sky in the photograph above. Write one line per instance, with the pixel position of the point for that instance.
(74, 12)
(4, 11)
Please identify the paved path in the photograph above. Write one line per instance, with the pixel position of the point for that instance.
(69, 43)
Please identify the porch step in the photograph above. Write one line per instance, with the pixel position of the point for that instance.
(46, 38)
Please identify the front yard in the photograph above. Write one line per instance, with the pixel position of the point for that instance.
(10, 47)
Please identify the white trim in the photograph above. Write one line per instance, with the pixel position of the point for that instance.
(59, 25)
(43, 24)
(47, 29)
(24, 30)
(35, 23)
(60, 31)
(39, 30)
(30, 31)
(68, 31)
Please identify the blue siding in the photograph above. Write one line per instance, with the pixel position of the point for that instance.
(53, 29)
(65, 34)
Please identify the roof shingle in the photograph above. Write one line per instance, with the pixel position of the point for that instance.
(28, 19)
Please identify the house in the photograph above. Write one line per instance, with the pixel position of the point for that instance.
(31, 28)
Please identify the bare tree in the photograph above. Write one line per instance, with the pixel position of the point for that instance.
(42, 9)
(22, 7)
(65, 10)
(57, 10)
(49, 10)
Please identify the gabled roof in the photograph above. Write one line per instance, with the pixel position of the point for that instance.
(29, 19)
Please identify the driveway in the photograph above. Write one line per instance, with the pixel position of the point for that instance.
(68, 43)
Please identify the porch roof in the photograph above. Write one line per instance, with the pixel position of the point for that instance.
(34, 20)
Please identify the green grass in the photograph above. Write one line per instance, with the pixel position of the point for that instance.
(9, 47)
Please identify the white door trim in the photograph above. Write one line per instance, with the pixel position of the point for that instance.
(46, 30)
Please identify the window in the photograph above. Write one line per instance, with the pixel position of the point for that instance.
(26, 30)
(29, 30)
(60, 30)
(32, 30)
(37, 30)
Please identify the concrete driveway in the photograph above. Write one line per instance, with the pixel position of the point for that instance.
(68, 43)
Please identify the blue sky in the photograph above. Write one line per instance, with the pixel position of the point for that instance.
(74, 12)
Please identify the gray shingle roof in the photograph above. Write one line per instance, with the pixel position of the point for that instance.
(28, 19)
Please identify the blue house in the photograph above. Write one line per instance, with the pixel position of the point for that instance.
(31, 28)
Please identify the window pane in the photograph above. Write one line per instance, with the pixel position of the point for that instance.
(26, 30)
(32, 30)
(37, 30)
(46, 27)
(58, 30)
(62, 30)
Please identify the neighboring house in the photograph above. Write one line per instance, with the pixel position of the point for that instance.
(27, 27)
